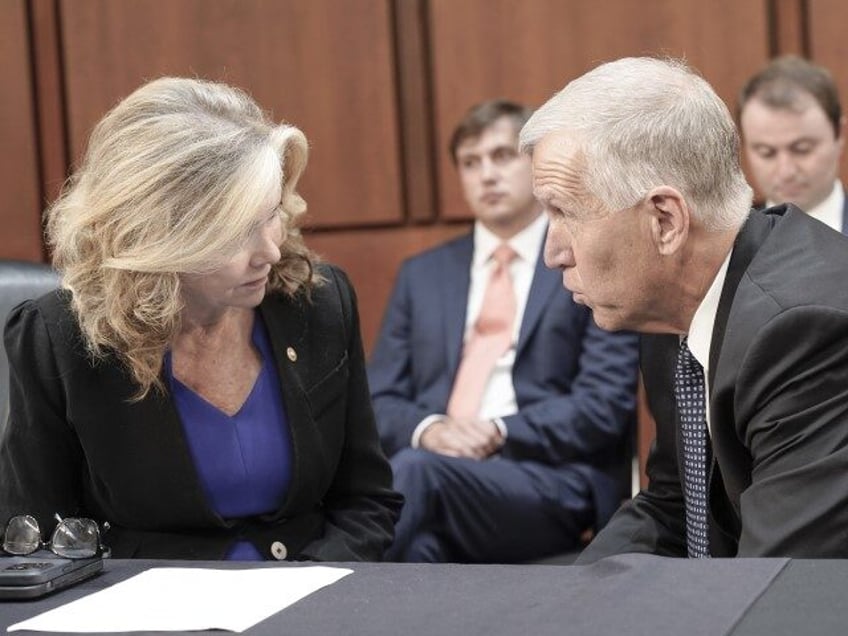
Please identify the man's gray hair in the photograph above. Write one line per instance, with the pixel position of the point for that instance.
(646, 122)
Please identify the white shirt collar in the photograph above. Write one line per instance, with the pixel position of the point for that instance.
(701, 328)
(829, 211)
(526, 243)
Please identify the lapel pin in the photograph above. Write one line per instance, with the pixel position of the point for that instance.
(292, 354)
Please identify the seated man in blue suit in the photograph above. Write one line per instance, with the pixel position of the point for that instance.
(794, 133)
(505, 410)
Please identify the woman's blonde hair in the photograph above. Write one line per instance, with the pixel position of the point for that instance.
(171, 183)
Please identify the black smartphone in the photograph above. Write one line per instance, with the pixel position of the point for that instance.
(36, 575)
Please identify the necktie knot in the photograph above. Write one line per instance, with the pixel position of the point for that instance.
(686, 361)
(503, 255)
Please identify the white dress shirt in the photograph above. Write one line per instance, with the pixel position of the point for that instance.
(701, 328)
(499, 395)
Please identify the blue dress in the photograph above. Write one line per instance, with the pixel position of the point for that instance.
(244, 461)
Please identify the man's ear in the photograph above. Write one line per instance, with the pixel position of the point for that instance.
(669, 217)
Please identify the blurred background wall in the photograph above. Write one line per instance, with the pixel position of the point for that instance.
(376, 85)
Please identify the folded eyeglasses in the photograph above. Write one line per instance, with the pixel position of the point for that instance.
(73, 538)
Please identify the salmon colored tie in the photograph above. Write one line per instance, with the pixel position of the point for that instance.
(490, 338)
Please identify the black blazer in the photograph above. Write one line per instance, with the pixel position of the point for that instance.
(76, 445)
(778, 406)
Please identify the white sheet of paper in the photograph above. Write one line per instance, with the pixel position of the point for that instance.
(184, 599)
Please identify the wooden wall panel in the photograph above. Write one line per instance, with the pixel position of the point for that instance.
(372, 260)
(20, 197)
(412, 44)
(789, 29)
(646, 432)
(324, 65)
(528, 50)
(50, 97)
(829, 47)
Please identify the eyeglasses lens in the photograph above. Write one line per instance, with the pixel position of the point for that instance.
(22, 535)
(76, 538)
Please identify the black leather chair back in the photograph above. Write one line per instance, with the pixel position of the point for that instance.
(19, 281)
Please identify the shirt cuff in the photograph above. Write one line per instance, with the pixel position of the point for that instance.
(423, 425)
(498, 421)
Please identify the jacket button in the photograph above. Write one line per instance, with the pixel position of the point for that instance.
(278, 550)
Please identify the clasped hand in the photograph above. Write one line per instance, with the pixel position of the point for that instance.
(475, 439)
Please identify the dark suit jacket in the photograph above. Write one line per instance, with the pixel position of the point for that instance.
(778, 405)
(76, 444)
(574, 383)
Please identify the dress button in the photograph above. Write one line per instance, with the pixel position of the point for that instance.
(278, 550)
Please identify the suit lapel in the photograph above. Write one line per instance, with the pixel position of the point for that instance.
(156, 431)
(453, 283)
(754, 231)
(724, 519)
(545, 283)
(287, 329)
(845, 215)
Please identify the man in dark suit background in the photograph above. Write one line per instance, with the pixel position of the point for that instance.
(514, 461)
(793, 131)
(745, 367)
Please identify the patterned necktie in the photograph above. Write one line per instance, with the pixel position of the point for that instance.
(691, 408)
(490, 338)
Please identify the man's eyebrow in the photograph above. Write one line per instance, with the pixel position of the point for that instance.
(544, 195)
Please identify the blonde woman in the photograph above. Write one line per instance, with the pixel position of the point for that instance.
(198, 382)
